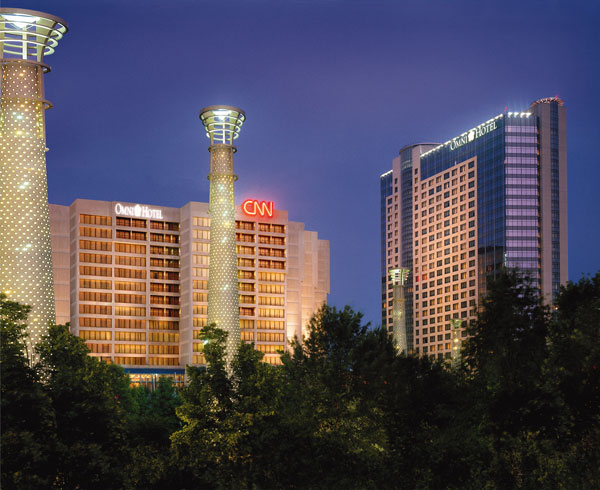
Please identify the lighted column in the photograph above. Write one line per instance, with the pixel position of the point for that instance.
(223, 125)
(398, 278)
(26, 36)
(456, 342)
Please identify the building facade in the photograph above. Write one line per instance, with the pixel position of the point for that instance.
(138, 277)
(492, 197)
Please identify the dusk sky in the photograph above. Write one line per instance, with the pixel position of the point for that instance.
(332, 90)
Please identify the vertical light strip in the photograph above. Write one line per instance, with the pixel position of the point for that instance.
(223, 306)
(398, 278)
(456, 342)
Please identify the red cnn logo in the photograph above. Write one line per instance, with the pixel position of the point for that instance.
(252, 207)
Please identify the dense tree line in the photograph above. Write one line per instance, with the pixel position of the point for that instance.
(344, 411)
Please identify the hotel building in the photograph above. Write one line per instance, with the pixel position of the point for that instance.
(133, 280)
(492, 197)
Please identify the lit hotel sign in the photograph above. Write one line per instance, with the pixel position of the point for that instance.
(252, 207)
(138, 211)
(473, 135)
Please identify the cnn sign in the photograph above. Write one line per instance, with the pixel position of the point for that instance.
(252, 207)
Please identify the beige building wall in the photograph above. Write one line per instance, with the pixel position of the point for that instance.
(60, 239)
(543, 111)
(445, 256)
(397, 254)
(138, 288)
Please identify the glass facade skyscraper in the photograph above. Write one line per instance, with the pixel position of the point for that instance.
(492, 197)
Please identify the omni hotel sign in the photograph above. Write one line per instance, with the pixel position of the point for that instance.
(138, 211)
(473, 135)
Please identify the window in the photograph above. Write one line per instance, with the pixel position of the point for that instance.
(271, 313)
(271, 276)
(271, 301)
(129, 323)
(163, 325)
(97, 297)
(130, 286)
(130, 298)
(128, 260)
(163, 337)
(130, 336)
(95, 322)
(95, 271)
(198, 221)
(200, 297)
(95, 334)
(91, 245)
(245, 225)
(130, 273)
(94, 284)
(95, 232)
(269, 348)
(130, 311)
(130, 248)
(90, 219)
(270, 337)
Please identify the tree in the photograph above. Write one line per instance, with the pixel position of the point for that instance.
(28, 425)
(90, 400)
(230, 420)
(339, 441)
(150, 423)
(363, 416)
(572, 374)
(506, 350)
(535, 384)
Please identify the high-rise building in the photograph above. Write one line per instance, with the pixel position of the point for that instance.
(492, 197)
(26, 37)
(134, 280)
(396, 234)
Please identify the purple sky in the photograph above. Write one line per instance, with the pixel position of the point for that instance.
(332, 90)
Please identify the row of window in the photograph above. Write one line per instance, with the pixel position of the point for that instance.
(166, 312)
(263, 264)
(157, 250)
(248, 336)
(131, 235)
(250, 238)
(135, 222)
(90, 219)
(262, 324)
(242, 274)
(266, 227)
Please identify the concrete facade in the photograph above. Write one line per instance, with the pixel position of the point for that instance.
(138, 280)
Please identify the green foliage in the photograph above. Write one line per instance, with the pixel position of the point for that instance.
(535, 385)
(344, 411)
(328, 409)
(28, 424)
(572, 374)
(151, 421)
(230, 421)
(89, 399)
(72, 421)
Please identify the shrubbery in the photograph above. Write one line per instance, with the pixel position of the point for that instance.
(344, 411)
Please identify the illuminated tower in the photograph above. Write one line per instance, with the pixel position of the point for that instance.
(26, 36)
(398, 278)
(456, 323)
(223, 125)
